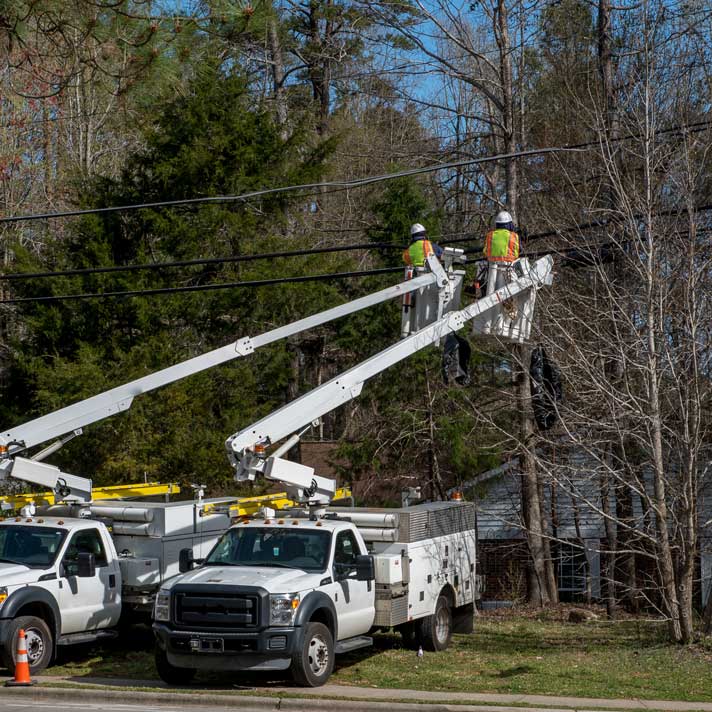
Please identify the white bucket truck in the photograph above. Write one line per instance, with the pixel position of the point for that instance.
(70, 573)
(290, 592)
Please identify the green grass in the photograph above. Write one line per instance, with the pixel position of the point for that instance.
(515, 655)
(610, 660)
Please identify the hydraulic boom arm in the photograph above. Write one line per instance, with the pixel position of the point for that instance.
(246, 448)
(68, 422)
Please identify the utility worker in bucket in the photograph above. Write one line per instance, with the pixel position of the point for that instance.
(415, 257)
(420, 248)
(501, 250)
(502, 243)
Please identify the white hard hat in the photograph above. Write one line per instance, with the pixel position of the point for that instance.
(502, 218)
(417, 229)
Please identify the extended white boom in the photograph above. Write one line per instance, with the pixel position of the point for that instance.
(246, 448)
(68, 422)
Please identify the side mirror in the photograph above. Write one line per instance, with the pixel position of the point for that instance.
(365, 570)
(185, 560)
(86, 565)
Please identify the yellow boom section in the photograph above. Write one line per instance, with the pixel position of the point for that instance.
(150, 489)
(247, 506)
(280, 500)
(242, 507)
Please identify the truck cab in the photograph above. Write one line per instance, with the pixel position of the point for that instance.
(59, 580)
(274, 594)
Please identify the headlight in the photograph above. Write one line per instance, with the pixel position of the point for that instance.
(3, 595)
(162, 609)
(283, 608)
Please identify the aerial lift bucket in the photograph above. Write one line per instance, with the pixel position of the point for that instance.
(512, 318)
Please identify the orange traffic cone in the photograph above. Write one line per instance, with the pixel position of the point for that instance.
(22, 667)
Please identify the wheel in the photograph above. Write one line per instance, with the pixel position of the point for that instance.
(170, 673)
(40, 645)
(436, 630)
(312, 665)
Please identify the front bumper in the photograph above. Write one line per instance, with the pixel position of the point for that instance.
(266, 649)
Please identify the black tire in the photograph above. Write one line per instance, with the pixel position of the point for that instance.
(171, 674)
(312, 665)
(40, 644)
(436, 630)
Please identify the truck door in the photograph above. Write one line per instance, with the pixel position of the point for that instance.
(93, 602)
(354, 600)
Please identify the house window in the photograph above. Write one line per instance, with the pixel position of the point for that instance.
(572, 569)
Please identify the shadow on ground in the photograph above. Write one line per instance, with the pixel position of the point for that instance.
(130, 657)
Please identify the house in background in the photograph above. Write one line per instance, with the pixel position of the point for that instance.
(577, 531)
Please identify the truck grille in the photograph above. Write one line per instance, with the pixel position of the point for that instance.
(204, 610)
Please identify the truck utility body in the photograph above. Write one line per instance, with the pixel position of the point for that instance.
(290, 592)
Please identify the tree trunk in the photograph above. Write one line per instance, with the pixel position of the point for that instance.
(612, 545)
(531, 504)
(436, 481)
(511, 175)
(320, 61)
(280, 99)
(547, 535)
(665, 558)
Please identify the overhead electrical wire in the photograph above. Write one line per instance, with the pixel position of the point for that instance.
(357, 183)
(341, 185)
(254, 283)
(196, 262)
(18, 276)
(205, 287)
(86, 271)
(573, 253)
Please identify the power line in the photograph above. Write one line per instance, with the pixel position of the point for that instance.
(205, 287)
(570, 253)
(341, 185)
(197, 262)
(18, 276)
(360, 182)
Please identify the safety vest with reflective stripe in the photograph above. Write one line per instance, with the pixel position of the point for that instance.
(417, 252)
(501, 245)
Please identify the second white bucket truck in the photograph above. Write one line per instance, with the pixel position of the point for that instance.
(290, 591)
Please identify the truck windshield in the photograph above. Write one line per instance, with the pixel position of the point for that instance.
(272, 546)
(36, 547)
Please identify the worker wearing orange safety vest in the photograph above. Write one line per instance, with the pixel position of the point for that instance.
(420, 247)
(501, 250)
(502, 243)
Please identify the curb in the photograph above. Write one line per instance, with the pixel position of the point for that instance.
(293, 701)
(245, 703)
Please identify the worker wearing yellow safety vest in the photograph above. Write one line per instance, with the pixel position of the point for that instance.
(415, 257)
(501, 250)
(502, 243)
(420, 247)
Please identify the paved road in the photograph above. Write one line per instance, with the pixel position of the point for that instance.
(34, 704)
